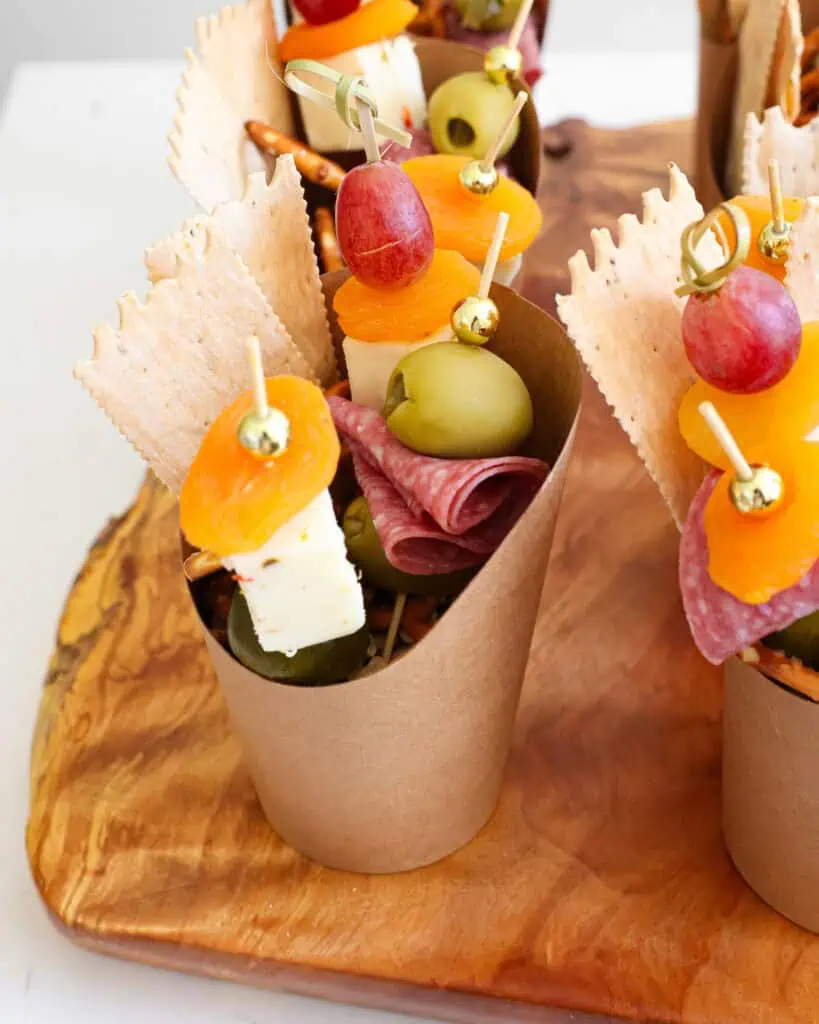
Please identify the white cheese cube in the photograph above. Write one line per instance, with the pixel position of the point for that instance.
(370, 364)
(300, 587)
(393, 75)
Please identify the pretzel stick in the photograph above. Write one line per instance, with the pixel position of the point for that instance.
(327, 240)
(312, 165)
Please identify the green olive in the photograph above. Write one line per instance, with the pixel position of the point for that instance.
(318, 665)
(800, 640)
(365, 550)
(459, 402)
(466, 114)
(488, 15)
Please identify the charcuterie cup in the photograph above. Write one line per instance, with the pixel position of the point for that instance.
(211, 153)
(397, 769)
(770, 801)
(718, 72)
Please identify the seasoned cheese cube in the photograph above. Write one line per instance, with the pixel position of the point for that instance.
(370, 364)
(300, 587)
(393, 75)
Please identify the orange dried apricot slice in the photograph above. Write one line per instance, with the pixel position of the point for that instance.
(789, 411)
(758, 211)
(372, 22)
(464, 221)
(407, 314)
(232, 502)
(754, 559)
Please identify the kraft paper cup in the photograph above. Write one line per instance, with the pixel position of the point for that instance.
(401, 768)
(771, 791)
(717, 78)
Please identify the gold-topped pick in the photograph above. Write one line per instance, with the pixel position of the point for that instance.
(755, 490)
(775, 238)
(264, 431)
(481, 176)
(504, 64)
(695, 276)
(476, 318)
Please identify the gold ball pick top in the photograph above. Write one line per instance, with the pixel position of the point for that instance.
(480, 176)
(755, 490)
(264, 431)
(503, 64)
(775, 238)
(759, 494)
(475, 320)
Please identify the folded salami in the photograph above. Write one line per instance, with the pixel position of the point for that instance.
(720, 623)
(434, 515)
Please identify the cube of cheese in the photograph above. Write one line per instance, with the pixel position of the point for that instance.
(393, 75)
(299, 585)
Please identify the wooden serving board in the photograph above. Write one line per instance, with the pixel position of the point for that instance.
(601, 884)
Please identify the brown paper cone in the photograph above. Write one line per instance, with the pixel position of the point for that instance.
(398, 769)
(717, 75)
(771, 791)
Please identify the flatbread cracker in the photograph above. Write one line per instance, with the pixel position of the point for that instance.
(227, 82)
(757, 43)
(177, 360)
(802, 272)
(625, 321)
(796, 149)
(270, 230)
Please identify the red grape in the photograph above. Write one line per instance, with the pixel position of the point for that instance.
(320, 12)
(746, 336)
(384, 230)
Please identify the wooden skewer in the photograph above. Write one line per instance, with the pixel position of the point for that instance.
(254, 355)
(492, 154)
(395, 622)
(312, 165)
(365, 117)
(519, 24)
(775, 188)
(725, 439)
(492, 256)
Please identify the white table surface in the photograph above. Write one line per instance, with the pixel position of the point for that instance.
(83, 189)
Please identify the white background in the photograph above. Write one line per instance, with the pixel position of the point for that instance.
(83, 189)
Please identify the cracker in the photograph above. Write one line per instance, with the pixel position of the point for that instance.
(625, 321)
(757, 42)
(228, 82)
(270, 230)
(795, 148)
(802, 272)
(173, 363)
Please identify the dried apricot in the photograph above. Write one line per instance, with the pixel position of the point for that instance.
(406, 314)
(231, 502)
(758, 211)
(789, 411)
(372, 22)
(464, 221)
(754, 559)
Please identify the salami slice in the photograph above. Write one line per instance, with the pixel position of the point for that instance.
(720, 623)
(411, 543)
(476, 501)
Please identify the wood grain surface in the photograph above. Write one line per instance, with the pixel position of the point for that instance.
(601, 884)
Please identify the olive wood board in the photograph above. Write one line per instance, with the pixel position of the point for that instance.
(600, 885)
